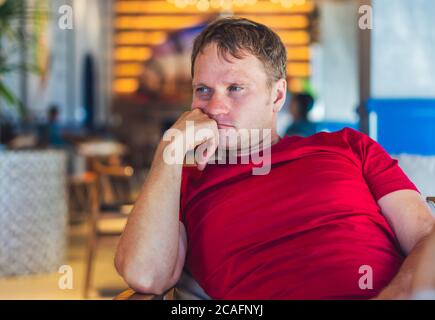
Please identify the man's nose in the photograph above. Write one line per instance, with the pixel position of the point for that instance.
(217, 105)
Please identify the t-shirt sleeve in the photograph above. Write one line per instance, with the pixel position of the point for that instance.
(381, 172)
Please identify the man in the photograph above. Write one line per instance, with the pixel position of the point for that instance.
(333, 218)
(300, 105)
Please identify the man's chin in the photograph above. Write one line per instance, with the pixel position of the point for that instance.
(232, 139)
(232, 148)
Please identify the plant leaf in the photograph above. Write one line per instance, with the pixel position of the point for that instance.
(7, 95)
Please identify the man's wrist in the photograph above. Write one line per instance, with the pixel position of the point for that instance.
(170, 153)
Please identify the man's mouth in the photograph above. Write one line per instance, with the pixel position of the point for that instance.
(224, 126)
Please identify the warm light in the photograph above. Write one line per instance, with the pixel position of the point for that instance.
(269, 7)
(128, 70)
(125, 85)
(141, 25)
(141, 38)
(294, 37)
(190, 6)
(298, 53)
(132, 53)
(296, 69)
(241, 5)
(277, 22)
(153, 7)
(128, 171)
(204, 5)
(290, 3)
(157, 22)
(295, 85)
(126, 208)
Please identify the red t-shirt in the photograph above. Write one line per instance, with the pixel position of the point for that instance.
(300, 232)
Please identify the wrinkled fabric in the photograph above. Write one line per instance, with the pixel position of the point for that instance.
(306, 230)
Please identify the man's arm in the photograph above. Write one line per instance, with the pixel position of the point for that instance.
(148, 247)
(424, 278)
(413, 224)
(151, 251)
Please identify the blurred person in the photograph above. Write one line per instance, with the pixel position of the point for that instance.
(151, 81)
(331, 205)
(49, 133)
(54, 134)
(300, 106)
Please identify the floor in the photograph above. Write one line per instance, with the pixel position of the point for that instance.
(106, 282)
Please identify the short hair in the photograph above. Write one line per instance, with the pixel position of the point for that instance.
(236, 36)
(305, 103)
(53, 110)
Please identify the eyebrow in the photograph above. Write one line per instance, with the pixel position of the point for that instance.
(238, 82)
(199, 84)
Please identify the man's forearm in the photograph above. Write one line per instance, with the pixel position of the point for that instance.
(401, 286)
(149, 244)
(424, 278)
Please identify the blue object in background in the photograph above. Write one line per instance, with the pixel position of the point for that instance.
(403, 125)
(324, 126)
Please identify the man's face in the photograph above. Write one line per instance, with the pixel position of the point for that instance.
(235, 93)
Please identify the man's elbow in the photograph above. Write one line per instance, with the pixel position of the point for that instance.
(141, 279)
(145, 284)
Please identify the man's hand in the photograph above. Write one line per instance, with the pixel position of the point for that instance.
(392, 293)
(205, 135)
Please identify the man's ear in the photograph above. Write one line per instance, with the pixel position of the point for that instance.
(279, 94)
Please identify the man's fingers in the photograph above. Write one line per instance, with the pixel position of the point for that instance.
(204, 152)
(198, 135)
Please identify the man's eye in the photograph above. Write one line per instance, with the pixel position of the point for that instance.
(202, 90)
(235, 88)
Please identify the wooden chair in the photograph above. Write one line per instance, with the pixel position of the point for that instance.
(106, 218)
(79, 192)
(130, 294)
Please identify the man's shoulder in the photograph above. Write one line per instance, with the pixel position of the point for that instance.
(346, 131)
(347, 135)
(346, 141)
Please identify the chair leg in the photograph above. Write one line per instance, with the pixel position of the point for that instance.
(91, 249)
(92, 238)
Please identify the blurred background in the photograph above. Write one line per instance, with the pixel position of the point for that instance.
(87, 88)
